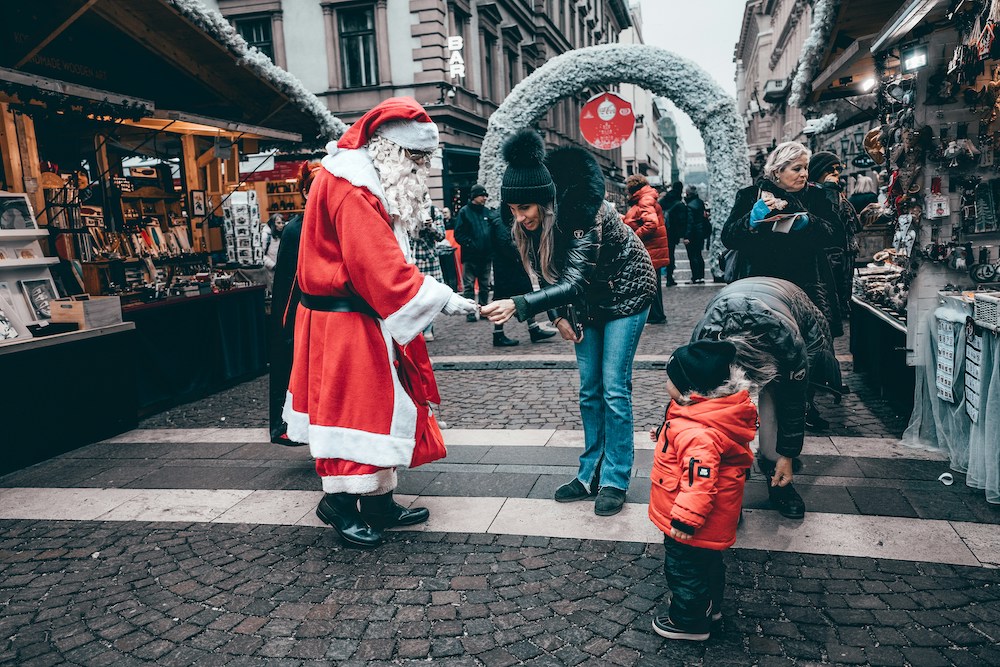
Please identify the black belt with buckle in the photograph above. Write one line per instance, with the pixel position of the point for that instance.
(337, 304)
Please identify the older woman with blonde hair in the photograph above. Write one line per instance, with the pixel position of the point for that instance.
(781, 227)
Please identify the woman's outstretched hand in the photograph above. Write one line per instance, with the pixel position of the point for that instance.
(500, 311)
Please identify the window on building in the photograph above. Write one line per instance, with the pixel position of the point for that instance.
(511, 70)
(358, 50)
(489, 67)
(256, 30)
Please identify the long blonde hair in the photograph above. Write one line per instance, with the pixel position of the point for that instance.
(546, 243)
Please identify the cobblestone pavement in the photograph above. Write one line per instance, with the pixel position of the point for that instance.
(132, 592)
(536, 396)
(170, 594)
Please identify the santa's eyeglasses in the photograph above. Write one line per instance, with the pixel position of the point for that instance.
(419, 157)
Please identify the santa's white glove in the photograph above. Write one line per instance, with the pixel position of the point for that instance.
(459, 305)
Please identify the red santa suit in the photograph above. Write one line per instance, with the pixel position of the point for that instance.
(360, 385)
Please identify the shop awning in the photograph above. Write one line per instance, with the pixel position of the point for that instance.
(848, 62)
(906, 19)
(184, 59)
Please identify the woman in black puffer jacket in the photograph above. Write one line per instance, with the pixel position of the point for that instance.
(783, 343)
(798, 256)
(594, 269)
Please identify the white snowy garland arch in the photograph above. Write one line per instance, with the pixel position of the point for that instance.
(820, 29)
(661, 72)
(212, 22)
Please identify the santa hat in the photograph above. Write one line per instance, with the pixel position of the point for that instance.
(401, 120)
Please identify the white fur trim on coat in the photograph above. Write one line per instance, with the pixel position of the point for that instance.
(357, 168)
(418, 312)
(377, 449)
(375, 484)
(410, 134)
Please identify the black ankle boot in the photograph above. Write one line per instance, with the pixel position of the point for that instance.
(537, 333)
(500, 340)
(814, 421)
(340, 510)
(384, 512)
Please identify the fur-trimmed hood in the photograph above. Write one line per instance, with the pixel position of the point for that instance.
(579, 187)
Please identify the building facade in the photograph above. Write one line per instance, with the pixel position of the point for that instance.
(767, 54)
(459, 58)
(645, 152)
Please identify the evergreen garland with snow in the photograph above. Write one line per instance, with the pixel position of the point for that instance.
(213, 23)
(664, 74)
(820, 31)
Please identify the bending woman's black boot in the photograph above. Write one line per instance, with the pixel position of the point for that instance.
(340, 510)
(785, 499)
(384, 512)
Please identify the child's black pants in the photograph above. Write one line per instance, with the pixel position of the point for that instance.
(695, 576)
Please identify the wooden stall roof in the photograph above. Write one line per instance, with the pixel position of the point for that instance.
(146, 49)
(848, 59)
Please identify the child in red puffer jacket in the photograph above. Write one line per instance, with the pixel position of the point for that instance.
(701, 463)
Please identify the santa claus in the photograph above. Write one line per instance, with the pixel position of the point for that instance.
(362, 382)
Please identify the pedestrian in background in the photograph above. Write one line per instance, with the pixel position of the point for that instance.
(595, 273)
(824, 170)
(695, 237)
(864, 192)
(423, 240)
(797, 254)
(511, 279)
(284, 305)
(645, 217)
(678, 217)
(700, 466)
(473, 231)
(270, 239)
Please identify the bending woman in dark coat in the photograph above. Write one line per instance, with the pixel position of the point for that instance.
(783, 343)
(798, 256)
(588, 260)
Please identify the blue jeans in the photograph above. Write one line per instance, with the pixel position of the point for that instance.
(605, 361)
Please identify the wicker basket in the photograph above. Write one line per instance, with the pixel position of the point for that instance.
(986, 311)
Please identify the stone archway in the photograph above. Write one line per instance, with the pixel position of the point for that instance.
(661, 72)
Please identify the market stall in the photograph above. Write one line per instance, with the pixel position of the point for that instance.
(924, 312)
(120, 180)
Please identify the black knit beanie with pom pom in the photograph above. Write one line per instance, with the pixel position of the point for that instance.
(526, 180)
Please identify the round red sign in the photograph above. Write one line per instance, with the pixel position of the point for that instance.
(606, 121)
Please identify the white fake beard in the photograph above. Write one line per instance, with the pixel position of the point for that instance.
(404, 183)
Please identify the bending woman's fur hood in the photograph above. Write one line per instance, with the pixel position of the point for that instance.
(579, 187)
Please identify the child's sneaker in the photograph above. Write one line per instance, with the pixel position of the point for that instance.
(663, 626)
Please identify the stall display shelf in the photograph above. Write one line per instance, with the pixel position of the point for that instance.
(25, 263)
(21, 234)
(883, 314)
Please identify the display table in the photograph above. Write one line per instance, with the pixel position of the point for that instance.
(189, 347)
(878, 345)
(66, 391)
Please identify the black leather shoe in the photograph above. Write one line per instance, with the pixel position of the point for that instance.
(537, 333)
(572, 491)
(340, 510)
(656, 320)
(471, 317)
(814, 421)
(384, 512)
(500, 340)
(285, 441)
(609, 501)
(787, 501)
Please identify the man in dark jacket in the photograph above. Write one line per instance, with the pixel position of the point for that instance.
(784, 344)
(473, 232)
(694, 238)
(824, 171)
(678, 218)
